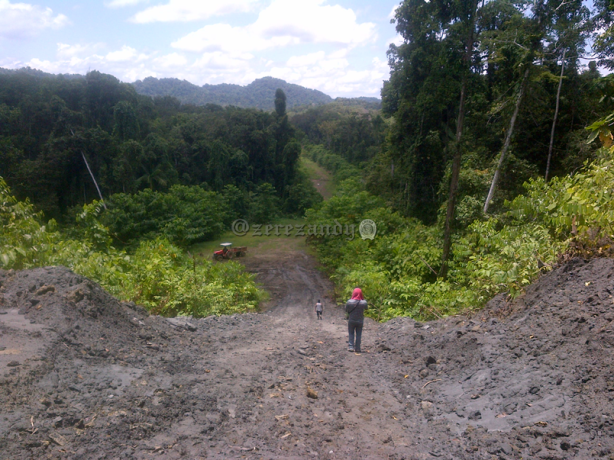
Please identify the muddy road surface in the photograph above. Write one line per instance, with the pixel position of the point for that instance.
(83, 376)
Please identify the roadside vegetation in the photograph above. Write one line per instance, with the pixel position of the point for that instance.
(477, 168)
(398, 269)
(156, 274)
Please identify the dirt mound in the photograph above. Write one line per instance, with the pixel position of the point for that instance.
(83, 375)
(530, 378)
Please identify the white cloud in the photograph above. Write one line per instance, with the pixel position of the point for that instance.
(189, 10)
(332, 74)
(223, 37)
(125, 54)
(66, 51)
(393, 12)
(22, 20)
(122, 3)
(398, 41)
(311, 21)
(283, 23)
(306, 60)
(170, 61)
(218, 61)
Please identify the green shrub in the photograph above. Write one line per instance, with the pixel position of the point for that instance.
(185, 215)
(505, 253)
(159, 275)
(24, 241)
(165, 281)
(572, 204)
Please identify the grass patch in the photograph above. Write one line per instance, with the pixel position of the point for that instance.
(255, 243)
(321, 178)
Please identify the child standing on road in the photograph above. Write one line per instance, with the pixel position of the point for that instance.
(319, 309)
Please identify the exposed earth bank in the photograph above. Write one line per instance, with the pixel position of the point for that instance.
(85, 376)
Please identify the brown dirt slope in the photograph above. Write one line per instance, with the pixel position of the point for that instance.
(85, 376)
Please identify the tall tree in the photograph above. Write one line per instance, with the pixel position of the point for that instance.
(570, 30)
(422, 96)
(603, 23)
(508, 139)
(126, 123)
(556, 114)
(280, 102)
(535, 35)
(520, 43)
(468, 11)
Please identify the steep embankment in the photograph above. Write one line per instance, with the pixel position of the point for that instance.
(85, 376)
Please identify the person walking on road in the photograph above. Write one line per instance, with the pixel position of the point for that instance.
(319, 309)
(355, 308)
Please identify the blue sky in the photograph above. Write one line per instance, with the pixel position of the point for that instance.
(336, 46)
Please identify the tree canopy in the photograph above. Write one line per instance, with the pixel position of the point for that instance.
(53, 128)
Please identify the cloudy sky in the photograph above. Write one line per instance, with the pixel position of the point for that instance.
(336, 46)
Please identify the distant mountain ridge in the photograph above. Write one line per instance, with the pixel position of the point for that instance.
(259, 94)
(38, 73)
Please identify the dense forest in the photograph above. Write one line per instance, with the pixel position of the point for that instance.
(488, 160)
(258, 94)
(353, 129)
(66, 141)
(134, 181)
(496, 97)
(487, 170)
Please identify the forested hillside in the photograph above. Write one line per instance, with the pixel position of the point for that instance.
(479, 171)
(54, 128)
(478, 167)
(134, 181)
(353, 129)
(258, 94)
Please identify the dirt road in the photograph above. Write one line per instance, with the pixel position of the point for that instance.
(85, 376)
(353, 413)
(117, 383)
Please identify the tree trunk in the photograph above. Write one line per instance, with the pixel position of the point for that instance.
(508, 139)
(556, 113)
(456, 164)
(94, 179)
(91, 174)
(456, 161)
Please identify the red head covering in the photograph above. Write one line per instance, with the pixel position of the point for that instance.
(357, 294)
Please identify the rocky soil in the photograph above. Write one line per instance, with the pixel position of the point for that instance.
(83, 376)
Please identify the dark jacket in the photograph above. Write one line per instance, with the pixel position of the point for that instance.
(356, 310)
